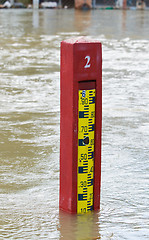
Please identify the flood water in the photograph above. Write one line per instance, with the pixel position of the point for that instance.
(30, 124)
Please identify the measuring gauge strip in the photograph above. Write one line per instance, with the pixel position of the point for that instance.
(86, 133)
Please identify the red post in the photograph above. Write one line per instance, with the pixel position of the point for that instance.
(80, 125)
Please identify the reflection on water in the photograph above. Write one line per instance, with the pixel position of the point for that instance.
(35, 18)
(82, 21)
(30, 118)
(78, 227)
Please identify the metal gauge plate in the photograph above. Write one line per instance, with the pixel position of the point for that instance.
(86, 134)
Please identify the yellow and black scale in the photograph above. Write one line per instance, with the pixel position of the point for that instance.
(86, 134)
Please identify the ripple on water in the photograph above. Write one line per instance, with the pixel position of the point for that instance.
(30, 118)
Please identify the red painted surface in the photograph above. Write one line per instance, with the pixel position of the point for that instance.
(74, 77)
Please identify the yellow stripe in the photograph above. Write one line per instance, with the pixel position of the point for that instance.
(86, 132)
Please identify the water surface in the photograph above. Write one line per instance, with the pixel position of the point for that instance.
(30, 119)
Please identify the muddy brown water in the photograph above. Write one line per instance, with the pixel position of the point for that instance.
(30, 120)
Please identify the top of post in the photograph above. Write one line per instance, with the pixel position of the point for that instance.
(80, 40)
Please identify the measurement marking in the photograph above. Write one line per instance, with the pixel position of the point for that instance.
(84, 189)
(91, 92)
(85, 134)
(89, 175)
(91, 127)
(83, 170)
(90, 155)
(82, 197)
(85, 163)
(90, 208)
(91, 100)
(90, 121)
(86, 106)
(83, 114)
(90, 182)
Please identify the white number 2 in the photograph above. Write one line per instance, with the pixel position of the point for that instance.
(87, 65)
